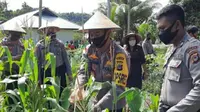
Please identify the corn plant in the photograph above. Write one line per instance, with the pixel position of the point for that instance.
(30, 96)
(91, 91)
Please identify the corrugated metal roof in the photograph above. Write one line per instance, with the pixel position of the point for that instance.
(31, 19)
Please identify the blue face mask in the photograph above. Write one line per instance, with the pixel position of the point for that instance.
(167, 36)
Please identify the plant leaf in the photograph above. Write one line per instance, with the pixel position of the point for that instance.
(7, 81)
(24, 61)
(64, 98)
(21, 88)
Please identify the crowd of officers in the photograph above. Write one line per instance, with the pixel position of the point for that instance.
(108, 61)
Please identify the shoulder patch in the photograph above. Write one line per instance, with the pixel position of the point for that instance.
(191, 49)
(194, 58)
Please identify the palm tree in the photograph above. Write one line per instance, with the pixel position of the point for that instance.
(140, 11)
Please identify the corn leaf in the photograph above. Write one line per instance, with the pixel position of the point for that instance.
(24, 61)
(125, 93)
(21, 89)
(64, 98)
(9, 57)
(53, 65)
(55, 103)
(56, 84)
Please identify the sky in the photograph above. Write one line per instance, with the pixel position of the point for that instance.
(64, 5)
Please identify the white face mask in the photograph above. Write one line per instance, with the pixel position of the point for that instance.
(132, 42)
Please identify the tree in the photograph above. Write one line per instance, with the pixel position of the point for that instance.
(6, 14)
(75, 17)
(3, 11)
(192, 9)
(102, 7)
(150, 26)
(25, 8)
(139, 12)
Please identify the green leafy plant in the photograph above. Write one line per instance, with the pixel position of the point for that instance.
(155, 71)
(30, 96)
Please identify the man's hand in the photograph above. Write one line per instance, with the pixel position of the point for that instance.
(77, 95)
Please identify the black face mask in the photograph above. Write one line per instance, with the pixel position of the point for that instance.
(51, 34)
(15, 36)
(100, 41)
(167, 36)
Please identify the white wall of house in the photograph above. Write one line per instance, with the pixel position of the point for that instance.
(63, 35)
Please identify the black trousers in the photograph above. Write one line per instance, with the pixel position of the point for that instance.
(119, 110)
(60, 72)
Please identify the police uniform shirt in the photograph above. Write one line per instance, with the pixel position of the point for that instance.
(102, 72)
(58, 49)
(181, 86)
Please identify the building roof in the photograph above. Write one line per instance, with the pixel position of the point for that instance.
(31, 19)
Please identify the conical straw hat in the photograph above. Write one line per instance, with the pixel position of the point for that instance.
(99, 21)
(45, 28)
(12, 27)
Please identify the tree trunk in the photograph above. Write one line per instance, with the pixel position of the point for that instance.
(109, 8)
(128, 24)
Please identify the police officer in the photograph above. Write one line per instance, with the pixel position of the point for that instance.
(102, 53)
(147, 45)
(56, 47)
(181, 86)
(193, 31)
(16, 48)
(12, 41)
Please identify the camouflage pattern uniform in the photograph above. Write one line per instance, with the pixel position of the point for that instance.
(102, 71)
